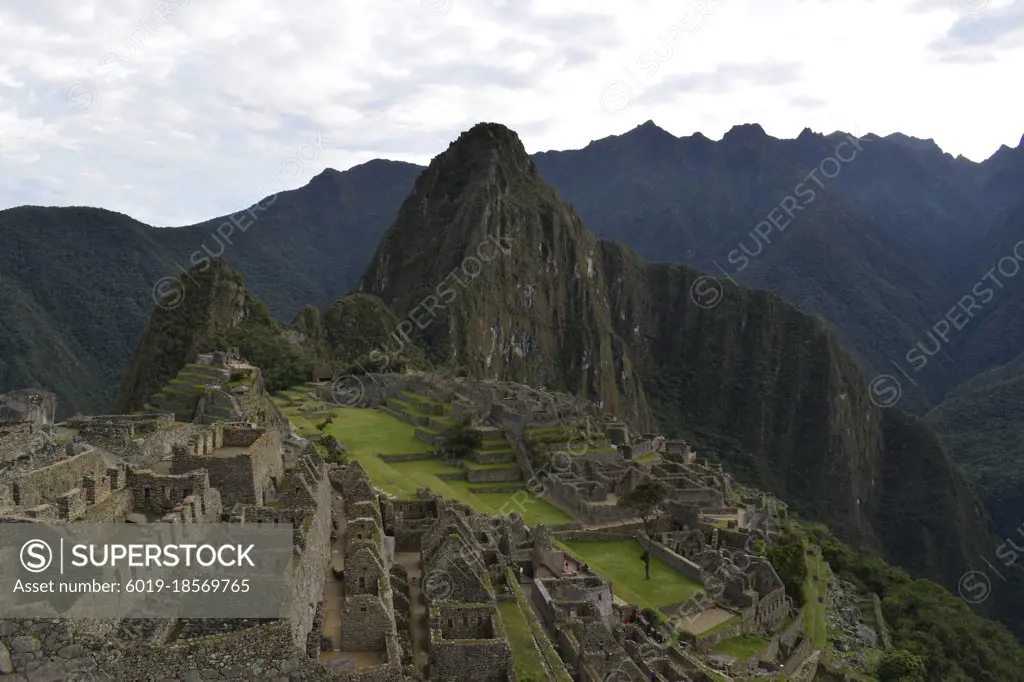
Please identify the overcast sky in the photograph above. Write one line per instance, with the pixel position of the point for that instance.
(182, 110)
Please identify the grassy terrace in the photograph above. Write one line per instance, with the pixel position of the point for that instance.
(619, 561)
(367, 432)
(525, 656)
(815, 622)
(742, 646)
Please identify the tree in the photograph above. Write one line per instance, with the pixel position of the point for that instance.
(902, 666)
(790, 562)
(646, 500)
(539, 454)
(461, 440)
(335, 449)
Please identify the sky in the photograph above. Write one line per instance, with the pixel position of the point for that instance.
(177, 111)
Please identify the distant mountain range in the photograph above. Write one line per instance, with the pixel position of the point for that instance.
(909, 254)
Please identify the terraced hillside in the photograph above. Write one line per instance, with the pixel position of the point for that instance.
(395, 444)
(204, 393)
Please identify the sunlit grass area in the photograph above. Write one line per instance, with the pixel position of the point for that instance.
(620, 562)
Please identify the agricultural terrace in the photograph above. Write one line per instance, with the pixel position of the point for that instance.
(367, 433)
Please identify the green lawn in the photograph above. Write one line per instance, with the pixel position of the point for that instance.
(366, 432)
(815, 622)
(525, 656)
(742, 646)
(619, 561)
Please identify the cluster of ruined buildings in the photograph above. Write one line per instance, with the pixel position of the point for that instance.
(389, 590)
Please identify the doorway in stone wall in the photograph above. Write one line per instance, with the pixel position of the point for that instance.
(270, 494)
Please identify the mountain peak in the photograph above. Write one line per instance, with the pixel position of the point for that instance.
(489, 136)
(806, 134)
(745, 132)
(927, 146)
(649, 130)
(479, 153)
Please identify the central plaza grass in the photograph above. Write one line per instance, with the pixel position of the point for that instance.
(619, 561)
(367, 432)
(525, 656)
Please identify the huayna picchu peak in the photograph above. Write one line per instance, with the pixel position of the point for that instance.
(510, 449)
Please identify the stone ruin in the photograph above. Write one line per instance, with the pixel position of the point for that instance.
(30, 405)
(193, 473)
(390, 590)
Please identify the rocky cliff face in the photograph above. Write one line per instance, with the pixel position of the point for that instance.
(493, 272)
(206, 309)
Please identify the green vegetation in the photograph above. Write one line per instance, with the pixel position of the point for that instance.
(741, 646)
(645, 500)
(461, 441)
(525, 656)
(926, 620)
(791, 562)
(621, 562)
(551, 658)
(366, 433)
(902, 666)
(980, 425)
(814, 594)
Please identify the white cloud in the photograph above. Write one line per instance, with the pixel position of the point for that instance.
(175, 111)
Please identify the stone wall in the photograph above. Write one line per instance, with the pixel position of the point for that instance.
(242, 478)
(374, 623)
(19, 438)
(706, 640)
(797, 658)
(55, 652)
(413, 457)
(468, 644)
(35, 487)
(71, 505)
(308, 571)
(493, 475)
(140, 439)
(679, 563)
(471, 661)
(788, 637)
(189, 497)
(111, 510)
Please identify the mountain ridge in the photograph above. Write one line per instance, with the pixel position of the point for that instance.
(881, 253)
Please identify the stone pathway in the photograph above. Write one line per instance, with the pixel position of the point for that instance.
(419, 631)
(334, 589)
